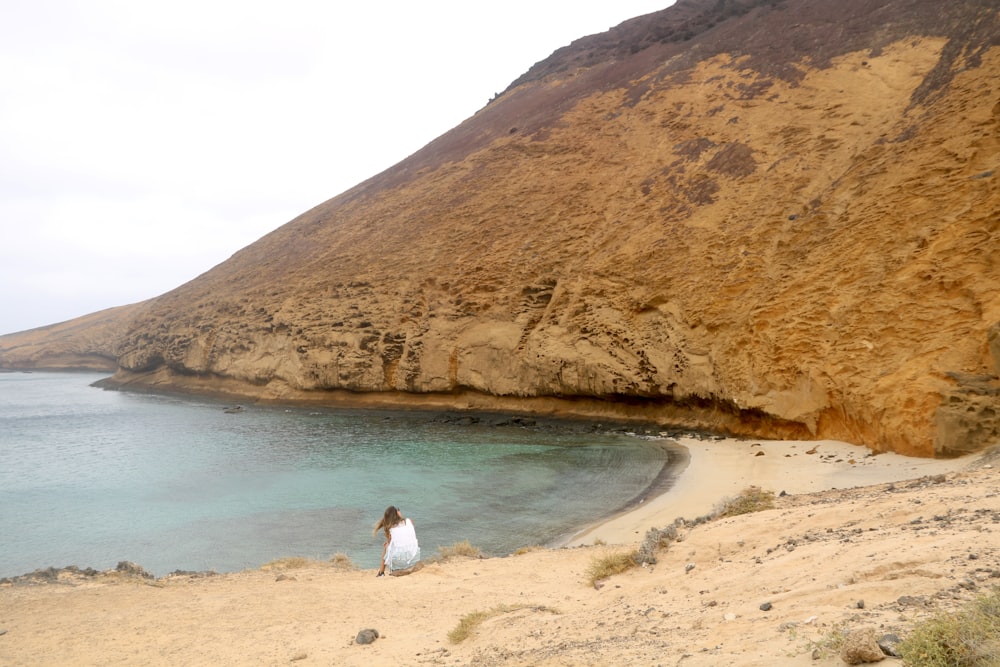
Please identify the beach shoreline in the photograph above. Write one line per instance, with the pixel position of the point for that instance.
(701, 471)
(678, 459)
(718, 468)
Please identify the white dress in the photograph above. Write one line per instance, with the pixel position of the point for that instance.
(403, 550)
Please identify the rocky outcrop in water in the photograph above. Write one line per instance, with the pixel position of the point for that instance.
(769, 218)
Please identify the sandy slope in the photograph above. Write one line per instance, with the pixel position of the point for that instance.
(934, 538)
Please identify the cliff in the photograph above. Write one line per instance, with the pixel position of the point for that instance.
(770, 218)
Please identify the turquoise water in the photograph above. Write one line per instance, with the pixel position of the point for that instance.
(90, 477)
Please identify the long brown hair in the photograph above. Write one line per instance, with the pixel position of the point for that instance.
(391, 518)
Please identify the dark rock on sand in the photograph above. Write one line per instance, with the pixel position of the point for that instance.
(366, 636)
(133, 569)
(889, 643)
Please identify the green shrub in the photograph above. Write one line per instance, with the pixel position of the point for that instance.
(830, 643)
(969, 637)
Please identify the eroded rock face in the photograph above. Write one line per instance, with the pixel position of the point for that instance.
(793, 235)
(86, 343)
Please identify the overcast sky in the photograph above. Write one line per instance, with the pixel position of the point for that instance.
(143, 142)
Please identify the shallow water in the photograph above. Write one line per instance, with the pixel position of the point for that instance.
(90, 477)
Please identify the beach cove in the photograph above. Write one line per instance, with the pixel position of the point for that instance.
(91, 477)
(878, 542)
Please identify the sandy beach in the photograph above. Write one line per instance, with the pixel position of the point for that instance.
(856, 541)
(721, 468)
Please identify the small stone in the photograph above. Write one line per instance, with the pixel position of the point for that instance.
(889, 644)
(860, 604)
(688, 567)
(366, 636)
(766, 606)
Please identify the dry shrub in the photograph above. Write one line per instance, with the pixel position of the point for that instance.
(458, 550)
(751, 499)
(969, 637)
(527, 550)
(655, 540)
(342, 561)
(611, 564)
(468, 623)
(290, 563)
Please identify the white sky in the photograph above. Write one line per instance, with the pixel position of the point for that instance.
(142, 142)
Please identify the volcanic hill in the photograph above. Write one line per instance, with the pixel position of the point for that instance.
(776, 218)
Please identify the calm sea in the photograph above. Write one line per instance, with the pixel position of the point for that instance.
(89, 477)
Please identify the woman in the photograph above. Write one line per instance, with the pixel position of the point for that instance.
(400, 551)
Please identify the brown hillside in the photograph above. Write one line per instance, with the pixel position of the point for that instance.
(772, 218)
